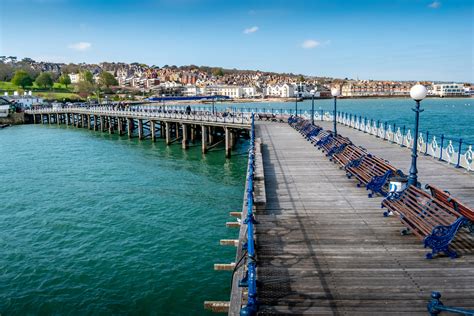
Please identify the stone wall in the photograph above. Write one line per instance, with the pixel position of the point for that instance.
(14, 119)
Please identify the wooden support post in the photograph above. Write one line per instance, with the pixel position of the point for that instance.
(111, 125)
(119, 126)
(210, 135)
(204, 138)
(193, 133)
(89, 121)
(130, 127)
(50, 118)
(140, 129)
(167, 132)
(102, 124)
(236, 214)
(96, 126)
(152, 130)
(77, 120)
(229, 242)
(232, 224)
(57, 119)
(184, 143)
(162, 128)
(34, 118)
(224, 266)
(217, 306)
(228, 147)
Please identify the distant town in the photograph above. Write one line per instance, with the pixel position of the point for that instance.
(31, 82)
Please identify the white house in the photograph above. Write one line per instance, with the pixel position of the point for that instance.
(75, 78)
(283, 91)
(234, 92)
(27, 100)
(249, 92)
(448, 89)
(4, 107)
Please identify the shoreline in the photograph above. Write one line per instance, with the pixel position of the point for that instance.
(287, 100)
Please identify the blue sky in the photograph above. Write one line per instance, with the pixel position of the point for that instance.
(393, 39)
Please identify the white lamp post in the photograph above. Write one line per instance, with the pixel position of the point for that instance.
(418, 93)
(335, 92)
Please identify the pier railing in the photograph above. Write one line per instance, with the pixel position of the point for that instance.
(201, 116)
(457, 153)
(250, 277)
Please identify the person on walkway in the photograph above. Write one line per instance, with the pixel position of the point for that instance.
(188, 110)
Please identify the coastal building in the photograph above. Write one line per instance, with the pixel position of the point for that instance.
(75, 78)
(25, 101)
(249, 92)
(4, 107)
(281, 91)
(234, 92)
(448, 89)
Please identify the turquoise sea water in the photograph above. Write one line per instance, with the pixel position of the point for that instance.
(98, 224)
(453, 117)
(92, 223)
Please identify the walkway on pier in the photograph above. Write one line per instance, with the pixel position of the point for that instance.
(324, 248)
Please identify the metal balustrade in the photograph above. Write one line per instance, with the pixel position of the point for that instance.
(250, 277)
(454, 152)
(201, 116)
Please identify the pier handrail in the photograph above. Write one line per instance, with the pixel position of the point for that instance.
(250, 277)
(435, 307)
(457, 153)
(202, 116)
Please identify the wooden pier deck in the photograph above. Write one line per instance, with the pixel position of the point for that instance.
(324, 247)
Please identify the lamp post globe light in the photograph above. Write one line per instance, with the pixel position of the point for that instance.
(313, 92)
(296, 101)
(418, 93)
(335, 92)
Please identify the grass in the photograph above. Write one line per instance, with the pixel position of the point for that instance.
(58, 92)
(58, 95)
(10, 87)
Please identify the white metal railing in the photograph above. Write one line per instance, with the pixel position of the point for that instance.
(451, 151)
(201, 116)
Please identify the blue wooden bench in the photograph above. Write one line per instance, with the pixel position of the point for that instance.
(426, 217)
(373, 172)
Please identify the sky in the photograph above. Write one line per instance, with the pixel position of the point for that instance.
(365, 39)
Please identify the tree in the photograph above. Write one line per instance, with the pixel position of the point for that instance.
(218, 72)
(22, 79)
(6, 72)
(301, 78)
(87, 76)
(44, 80)
(84, 88)
(106, 79)
(65, 80)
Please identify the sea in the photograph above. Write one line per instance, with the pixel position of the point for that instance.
(92, 223)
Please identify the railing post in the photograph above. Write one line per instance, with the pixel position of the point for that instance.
(385, 131)
(393, 132)
(403, 136)
(427, 142)
(459, 154)
(441, 148)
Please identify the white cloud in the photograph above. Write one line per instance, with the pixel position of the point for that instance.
(81, 46)
(251, 30)
(310, 44)
(435, 5)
